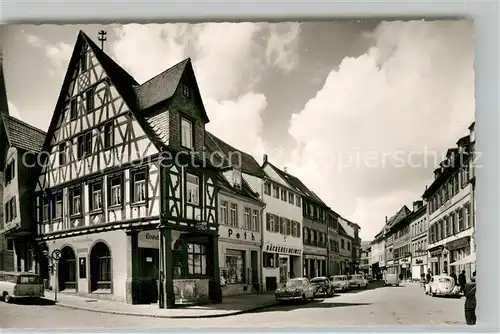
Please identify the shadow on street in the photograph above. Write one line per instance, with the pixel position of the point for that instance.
(34, 301)
(371, 286)
(317, 303)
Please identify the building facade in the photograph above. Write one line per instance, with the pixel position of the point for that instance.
(346, 241)
(21, 144)
(315, 215)
(397, 241)
(450, 205)
(365, 259)
(129, 224)
(240, 235)
(282, 237)
(333, 244)
(378, 255)
(418, 232)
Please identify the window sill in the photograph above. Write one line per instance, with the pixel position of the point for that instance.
(96, 212)
(102, 292)
(136, 204)
(57, 220)
(115, 207)
(193, 204)
(75, 216)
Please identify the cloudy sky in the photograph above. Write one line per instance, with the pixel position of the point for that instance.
(360, 111)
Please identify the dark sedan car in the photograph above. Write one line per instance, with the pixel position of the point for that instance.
(322, 287)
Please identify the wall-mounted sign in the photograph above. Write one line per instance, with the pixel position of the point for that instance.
(243, 235)
(149, 259)
(148, 239)
(418, 261)
(270, 248)
(396, 261)
(82, 264)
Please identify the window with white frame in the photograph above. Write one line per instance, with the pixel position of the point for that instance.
(223, 213)
(469, 217)
(247, 216)
(192, 189)
(186, 133)
(95, 192)
(58, 205)
(298, 201)
(283, 195)
(276, 191)
(139, 186)
(115, 191)
(255, 220)
(291, 198)
(233, 218)
(45, 209)
(76, 200)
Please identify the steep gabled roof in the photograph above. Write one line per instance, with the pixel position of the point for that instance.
(245, 190)
(281, 174)
(248, 164)
(296, 183)
(401, 214)
(23, 136)
(126, 86)
(4, 105)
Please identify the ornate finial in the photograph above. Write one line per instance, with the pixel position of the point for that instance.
(102, 38)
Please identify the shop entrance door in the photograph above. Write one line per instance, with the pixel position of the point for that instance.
(283, 270)
(149, 274)
(254, 265)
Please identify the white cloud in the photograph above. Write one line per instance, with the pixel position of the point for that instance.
(412, 91)
(282, 45)
(228, 59)
(59, 54)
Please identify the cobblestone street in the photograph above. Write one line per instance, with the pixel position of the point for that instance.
(404, 305)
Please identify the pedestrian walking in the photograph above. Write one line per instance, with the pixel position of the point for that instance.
(462, 280)
(470, 301)
(454, 277)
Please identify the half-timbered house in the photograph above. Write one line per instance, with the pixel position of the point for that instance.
(124, 191)
(240, 221)
(20, 144)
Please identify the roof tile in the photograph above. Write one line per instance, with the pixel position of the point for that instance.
(22, 135)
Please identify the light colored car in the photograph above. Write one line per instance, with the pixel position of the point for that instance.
(442, 285)
(295, 289)
(340, 282)
(391, 279)
(357, 281)
(15, 285)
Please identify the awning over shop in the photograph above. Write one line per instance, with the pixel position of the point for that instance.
(466, 260)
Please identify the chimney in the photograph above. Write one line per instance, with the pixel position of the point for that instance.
(284, 169)
(417, 205)
(386, 219)
(265, 158)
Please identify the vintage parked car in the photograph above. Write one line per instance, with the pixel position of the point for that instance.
(369, 278)
(340, 282)
(17, 285)
(322, 286)
(295, 289)
(357, 281)
(391, 279)
(442, 285)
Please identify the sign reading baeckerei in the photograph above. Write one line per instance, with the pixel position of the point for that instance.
(282, 249)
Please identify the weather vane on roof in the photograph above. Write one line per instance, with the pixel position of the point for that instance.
(102, 38)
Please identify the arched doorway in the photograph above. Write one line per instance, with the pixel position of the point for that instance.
(67, 269)
(100, 268)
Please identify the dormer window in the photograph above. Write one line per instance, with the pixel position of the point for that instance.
(186, 133)
(236, 179)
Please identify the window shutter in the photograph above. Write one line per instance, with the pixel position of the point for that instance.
(268, 222)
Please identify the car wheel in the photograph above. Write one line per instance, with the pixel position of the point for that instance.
(6, 297)
(304, 298)
(359, 286)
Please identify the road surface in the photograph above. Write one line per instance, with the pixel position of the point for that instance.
(404, 305)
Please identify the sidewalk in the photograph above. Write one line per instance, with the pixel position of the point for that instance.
(230, 306)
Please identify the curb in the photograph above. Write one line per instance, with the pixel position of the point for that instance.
(220, 315)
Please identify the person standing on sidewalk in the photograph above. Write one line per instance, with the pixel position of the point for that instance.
(470, 301)
(462, 280)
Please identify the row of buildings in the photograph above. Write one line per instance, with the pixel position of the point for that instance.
(438, 232)
(128, 197)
